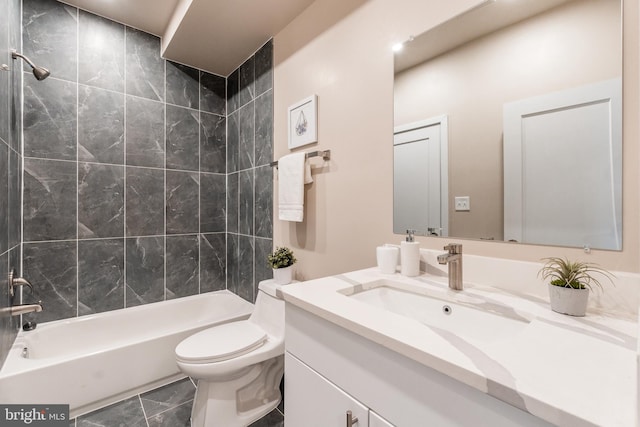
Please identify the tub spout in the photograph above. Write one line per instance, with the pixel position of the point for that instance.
(19, 309)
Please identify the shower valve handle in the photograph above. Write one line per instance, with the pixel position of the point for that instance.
(17, 281)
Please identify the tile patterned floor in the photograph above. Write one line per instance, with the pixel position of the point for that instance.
(168, 406)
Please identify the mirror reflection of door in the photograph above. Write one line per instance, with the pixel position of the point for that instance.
(562, 174)
(420, 188)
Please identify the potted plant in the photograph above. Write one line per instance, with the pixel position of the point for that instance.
(281, 261)
(570, 282)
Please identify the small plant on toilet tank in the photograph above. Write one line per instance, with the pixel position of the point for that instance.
(281, 261)
(570, 282)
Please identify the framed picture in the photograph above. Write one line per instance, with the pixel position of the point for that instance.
(303, 122)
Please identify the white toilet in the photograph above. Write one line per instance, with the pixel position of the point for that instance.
(238, 365)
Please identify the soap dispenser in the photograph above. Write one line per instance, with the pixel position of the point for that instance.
(410, 255)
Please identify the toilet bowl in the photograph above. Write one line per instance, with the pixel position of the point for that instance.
(238, 365)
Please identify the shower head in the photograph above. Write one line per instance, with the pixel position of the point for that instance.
(40, 73)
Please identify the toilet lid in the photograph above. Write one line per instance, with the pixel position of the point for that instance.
(221, 342)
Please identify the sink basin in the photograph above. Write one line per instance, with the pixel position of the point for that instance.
(470, 317)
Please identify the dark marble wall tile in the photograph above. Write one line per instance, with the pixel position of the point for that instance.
(50, 119)
(233, 87)
(246, 143)
(213, 147)
(233, 142)
(8, 324)
(233, 190)
(212, 93)
(100, 125)
(100, 200)
(4, 197)
(264, 202)
(233, 271)
(128, 413)
(182, 202)
(264, 129)
(51, 267)
(15, 24)
(15, 108)
(4, 96)
(263, 270)
(145, 270)
(50, 37)
(5, 58)
(144, 66)
(182, 133)
(101, 52)
(10, 168)
(247, 89)
(213, 262)
(182, 266)
(202, 192)
(182, 85)
(245, 267)
(145, 133)
(264, 68)
(144, 201)
(213, 201)
(15, 258)
(49, 200)
(15, 199)
(100, 275)
(246, 203)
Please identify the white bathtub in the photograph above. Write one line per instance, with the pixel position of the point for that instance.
(92, 361)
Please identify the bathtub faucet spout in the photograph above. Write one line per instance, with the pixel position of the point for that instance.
(16, 310)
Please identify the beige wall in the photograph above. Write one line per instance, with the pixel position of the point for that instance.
(471, 84)
(340, 50)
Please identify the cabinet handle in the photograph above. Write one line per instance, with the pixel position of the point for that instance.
(351, 420)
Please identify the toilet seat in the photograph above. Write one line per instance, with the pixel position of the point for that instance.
(222, 342)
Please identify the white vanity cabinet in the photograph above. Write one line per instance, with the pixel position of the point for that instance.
(329, 370)
(313, 401)
(376, 420)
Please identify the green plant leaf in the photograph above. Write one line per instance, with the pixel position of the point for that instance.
(282, 257)
(573, 274)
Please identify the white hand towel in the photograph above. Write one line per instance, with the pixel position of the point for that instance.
(293, 173)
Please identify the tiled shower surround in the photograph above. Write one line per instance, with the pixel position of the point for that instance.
(144, 180)
(10, 161)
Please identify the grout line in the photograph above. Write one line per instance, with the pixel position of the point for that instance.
(144, 413)
(164, 187)
(124, 179)
(77, 162)
(199, 179)
(20, 131)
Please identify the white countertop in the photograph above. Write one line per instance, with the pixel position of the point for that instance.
(566, 370)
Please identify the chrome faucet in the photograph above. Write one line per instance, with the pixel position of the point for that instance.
(453, 258)
(16, 310)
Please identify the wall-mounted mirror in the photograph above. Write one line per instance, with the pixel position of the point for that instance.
(508, 125)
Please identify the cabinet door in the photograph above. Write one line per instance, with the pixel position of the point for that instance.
(312, 401)
(376, 420)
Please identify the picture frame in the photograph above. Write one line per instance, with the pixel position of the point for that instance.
(303, 122)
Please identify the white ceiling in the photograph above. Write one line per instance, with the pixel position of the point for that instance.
(213, 35)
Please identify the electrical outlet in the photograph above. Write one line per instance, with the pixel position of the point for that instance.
(463, 203)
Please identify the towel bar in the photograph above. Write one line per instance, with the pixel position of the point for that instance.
(325, 154)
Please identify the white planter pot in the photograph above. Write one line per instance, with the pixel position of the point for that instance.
(283, 276)
(568, 300)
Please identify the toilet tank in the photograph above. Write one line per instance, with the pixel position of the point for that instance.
(268, 311)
